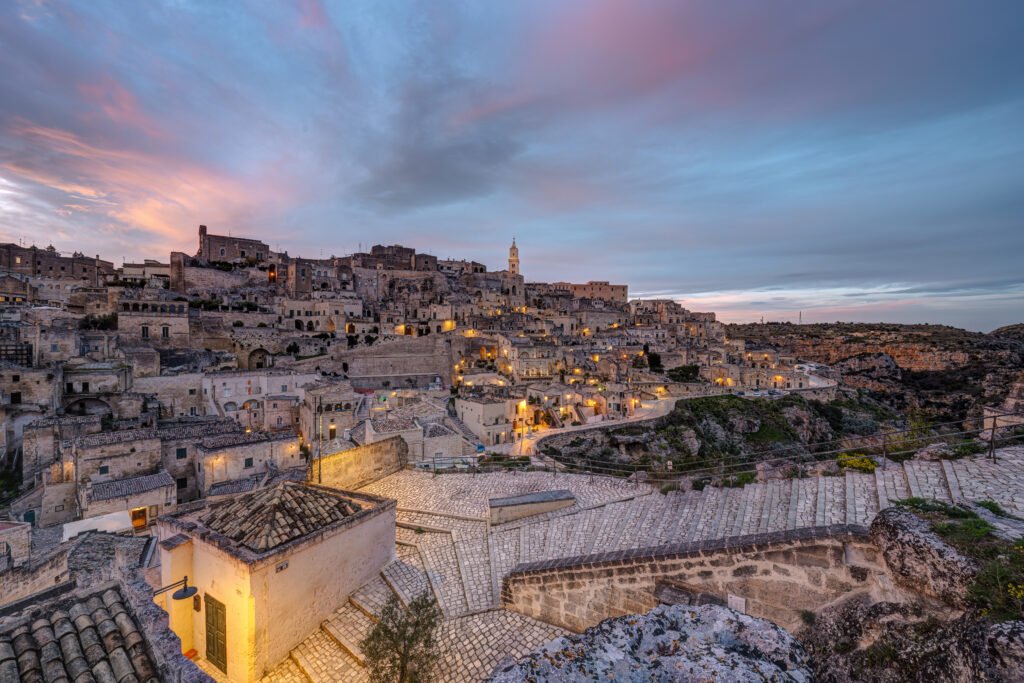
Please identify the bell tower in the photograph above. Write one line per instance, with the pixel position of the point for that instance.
(513, 258)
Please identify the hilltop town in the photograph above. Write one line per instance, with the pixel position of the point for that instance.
(287, 442)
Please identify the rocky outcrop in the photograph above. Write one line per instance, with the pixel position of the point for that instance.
(669, 643)
(885, 642)
(935, 451)
(1005, 645)
(919, 559)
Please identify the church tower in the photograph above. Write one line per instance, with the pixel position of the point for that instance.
(513, 258)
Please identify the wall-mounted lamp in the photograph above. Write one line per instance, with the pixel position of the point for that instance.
(184, 593)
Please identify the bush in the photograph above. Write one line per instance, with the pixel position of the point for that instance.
(402, 646)
(238, 323)
(684, 373)
(739, 480)
(858, 462)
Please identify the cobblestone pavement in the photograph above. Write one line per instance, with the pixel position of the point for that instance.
(466, 495)
(463, 560)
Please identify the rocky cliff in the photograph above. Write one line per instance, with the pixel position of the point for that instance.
(942, 371)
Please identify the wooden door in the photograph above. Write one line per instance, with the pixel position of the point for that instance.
(216, 634)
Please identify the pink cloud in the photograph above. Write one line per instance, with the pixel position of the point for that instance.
(155, 194)
(118, 104)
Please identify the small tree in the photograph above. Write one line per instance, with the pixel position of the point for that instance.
(402, 646)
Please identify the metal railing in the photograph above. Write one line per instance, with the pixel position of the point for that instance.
(884, 448)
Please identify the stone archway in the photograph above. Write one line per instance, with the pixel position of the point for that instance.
(259, 359)
(88, 406)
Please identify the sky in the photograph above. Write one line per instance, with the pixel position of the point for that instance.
(836, 159)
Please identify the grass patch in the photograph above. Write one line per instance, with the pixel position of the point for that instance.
(995, 508)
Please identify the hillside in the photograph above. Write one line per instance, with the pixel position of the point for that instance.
(945, 372)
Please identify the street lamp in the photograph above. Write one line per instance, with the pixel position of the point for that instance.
(184, 593)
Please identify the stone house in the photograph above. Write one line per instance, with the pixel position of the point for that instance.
(232, 456)
(145, 497)
(490, 419)
(270, 567)
(157, 323)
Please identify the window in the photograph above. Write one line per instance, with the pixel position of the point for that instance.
(15, 397)
(182, 482)
(222, 251)
(85, 387)
(192, 411)
(248, 463)
(165, 332)
(242, 253)
(191, 392)
(181, 454)
(15, 378)
(145, 331)
(104, 469)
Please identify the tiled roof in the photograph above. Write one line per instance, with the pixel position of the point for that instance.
(86, 639)
(107, 438)
(432, 431)
(272, 516)
(238, 438)
(392, 424)
(122, 488)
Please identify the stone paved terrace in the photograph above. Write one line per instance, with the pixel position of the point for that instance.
(466, 495)
(445, 544)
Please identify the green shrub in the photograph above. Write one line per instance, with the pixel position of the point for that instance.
(858, 462)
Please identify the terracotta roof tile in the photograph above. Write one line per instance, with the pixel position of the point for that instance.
(275, 515)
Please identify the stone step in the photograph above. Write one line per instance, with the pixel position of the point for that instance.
(405, 575)
(583, 526)
(473, 556)
(322, 660)
(371, 597)
(348, 627)
(928, 479)
(441, 565)
(606, 524)
(861, 498)
(625, 526)
(670, 507)
(557, 539)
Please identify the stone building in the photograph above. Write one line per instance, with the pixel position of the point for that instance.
(213, 248)
(232, 456)
(597, 289)
(270, 567)
(48, 262)
(157, 323)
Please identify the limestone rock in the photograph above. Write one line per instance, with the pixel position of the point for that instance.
(1005, 644)
(860, 642)
(669, 643)
(935, 451)
(919, 559)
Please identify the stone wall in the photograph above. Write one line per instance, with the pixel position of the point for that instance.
(15, 542)
(358, 467)
(774, 576)
(38, 575)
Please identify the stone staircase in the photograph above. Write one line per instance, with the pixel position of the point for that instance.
(463, 561)
(333, 653)
(777, 505)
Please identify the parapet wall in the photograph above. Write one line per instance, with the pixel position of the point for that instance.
(360, 466)
(774, 576)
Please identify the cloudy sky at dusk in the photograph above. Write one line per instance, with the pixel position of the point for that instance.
(858, 160)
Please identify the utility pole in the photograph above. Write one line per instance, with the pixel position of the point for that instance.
(320, 444)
